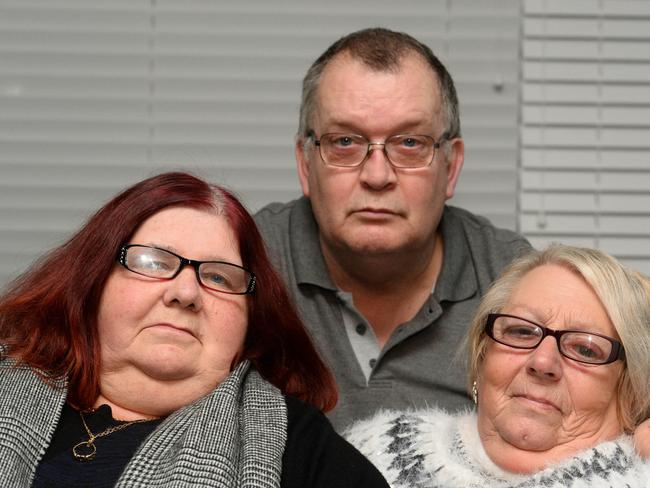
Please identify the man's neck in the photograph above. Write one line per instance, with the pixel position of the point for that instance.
(388, 290)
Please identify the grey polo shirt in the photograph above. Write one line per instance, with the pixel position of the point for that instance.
(420, 364)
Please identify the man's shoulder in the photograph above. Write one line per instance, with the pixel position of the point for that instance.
(273, 222)
(274, 212)
(489, 248)
(482, 225)
(277, 216)
(482, 233)
(289, 231)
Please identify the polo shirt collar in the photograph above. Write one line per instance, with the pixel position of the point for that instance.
(457, 280)
(306, 254)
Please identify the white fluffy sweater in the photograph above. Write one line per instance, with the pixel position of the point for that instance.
(431, 448)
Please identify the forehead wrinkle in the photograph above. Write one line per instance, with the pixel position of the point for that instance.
(363, 109)
(542, 316)
(559, 319)
(416, 126)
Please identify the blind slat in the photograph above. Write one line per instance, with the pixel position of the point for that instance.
(97, 95)
(585, 151)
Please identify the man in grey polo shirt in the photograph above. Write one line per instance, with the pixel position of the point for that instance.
(385, 275)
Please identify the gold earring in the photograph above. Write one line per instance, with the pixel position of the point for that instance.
(474, 393)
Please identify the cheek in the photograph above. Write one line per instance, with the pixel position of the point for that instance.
(333, 188)
(120, 305)
(227, 324)
(592, 390)
(440, 186)
(424, 192)
(498, 371)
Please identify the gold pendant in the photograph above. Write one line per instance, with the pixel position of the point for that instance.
(89, 447)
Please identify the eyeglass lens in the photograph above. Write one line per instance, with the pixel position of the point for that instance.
(158, 263)
(408, 151)
(581, 346)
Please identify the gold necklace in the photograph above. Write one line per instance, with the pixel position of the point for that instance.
(89, 445)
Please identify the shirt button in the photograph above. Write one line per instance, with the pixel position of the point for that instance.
(372, 363)
(361, 329)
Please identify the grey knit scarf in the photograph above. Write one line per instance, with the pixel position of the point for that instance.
(232, 437)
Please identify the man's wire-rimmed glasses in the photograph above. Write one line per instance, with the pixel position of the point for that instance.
(158, 263)
(578, 345)
(405, 151)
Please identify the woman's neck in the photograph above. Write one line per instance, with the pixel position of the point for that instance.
(134, 396)
(516, 459)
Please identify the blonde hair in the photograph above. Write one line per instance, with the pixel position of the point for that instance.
(625, 295)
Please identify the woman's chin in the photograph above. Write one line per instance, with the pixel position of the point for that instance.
(168, 363)
(529, 438)
(523, 446)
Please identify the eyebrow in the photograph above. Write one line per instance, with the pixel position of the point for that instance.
(544, 318)
(405, 127)
(166, 247)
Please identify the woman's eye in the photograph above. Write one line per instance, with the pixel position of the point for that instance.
(587, 351)
(215, 279)
(149, 263)
(515, 331)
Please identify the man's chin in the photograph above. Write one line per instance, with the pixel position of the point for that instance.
(369, 245)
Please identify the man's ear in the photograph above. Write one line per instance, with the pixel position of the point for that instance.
(302, 162)
(454, 164)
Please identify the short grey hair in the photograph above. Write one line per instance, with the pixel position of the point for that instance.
(381, 50)
(625, 295)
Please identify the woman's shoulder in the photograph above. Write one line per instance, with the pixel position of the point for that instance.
(409, 446)
(317, 456)
(611, 463)
(390, 425)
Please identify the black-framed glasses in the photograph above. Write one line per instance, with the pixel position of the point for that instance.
(158, 263)
(579, 345)
(402, 150)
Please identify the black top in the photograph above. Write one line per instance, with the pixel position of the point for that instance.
(59, 468)
(314, 456)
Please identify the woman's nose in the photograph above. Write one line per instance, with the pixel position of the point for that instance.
(184, 290)
(545, 361)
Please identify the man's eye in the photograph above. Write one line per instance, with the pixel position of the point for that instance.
(343, 141)
(410, 142)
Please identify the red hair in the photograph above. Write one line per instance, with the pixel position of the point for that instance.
(48, 316)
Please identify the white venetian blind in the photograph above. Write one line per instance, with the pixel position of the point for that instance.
(97, 94)
(585, 176)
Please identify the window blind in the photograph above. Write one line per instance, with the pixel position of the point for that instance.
(97, 94)
(585, 152)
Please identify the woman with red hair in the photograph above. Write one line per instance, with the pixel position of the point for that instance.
(158, 347)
